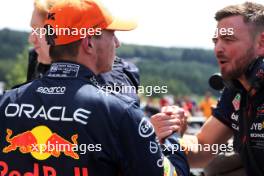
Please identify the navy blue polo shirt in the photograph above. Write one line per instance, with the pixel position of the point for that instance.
(244, 115)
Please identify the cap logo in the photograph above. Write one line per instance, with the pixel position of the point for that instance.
(51, 16)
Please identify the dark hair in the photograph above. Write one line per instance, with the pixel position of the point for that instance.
(69, 51)
(252, 14)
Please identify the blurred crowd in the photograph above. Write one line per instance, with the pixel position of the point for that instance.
(197, 107)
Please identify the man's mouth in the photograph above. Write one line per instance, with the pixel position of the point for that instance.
(222, 62)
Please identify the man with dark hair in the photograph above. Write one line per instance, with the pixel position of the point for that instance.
(239, 48)
(64, 124)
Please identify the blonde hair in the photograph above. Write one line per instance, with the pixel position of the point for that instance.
(43, 6)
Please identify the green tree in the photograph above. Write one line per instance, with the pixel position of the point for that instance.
(12, 42)
(5, 66)
(17, 74)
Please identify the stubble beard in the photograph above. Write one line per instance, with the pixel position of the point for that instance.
(240, 66)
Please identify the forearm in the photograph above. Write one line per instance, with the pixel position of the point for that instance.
(210, 140)
(199, 159)
(196, 155)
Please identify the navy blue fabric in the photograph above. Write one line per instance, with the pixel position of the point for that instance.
(67, 107)
(122, 74)
(246, 118)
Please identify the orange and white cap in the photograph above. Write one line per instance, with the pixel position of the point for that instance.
(79, 15)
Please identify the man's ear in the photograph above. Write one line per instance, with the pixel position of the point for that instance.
(261, 45)
(87, 45)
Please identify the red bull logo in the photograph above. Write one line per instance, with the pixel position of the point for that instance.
(56, 144)
(41, 143)
(38, 170)
(22, 141)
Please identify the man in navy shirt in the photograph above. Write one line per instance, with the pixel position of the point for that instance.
(123, 73)
(239, 48)
(65, 124)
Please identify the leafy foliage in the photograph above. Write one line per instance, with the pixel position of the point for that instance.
(181, 78)
(12, 43)
(182, 70)
(17, 75)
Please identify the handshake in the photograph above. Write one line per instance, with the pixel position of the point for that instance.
(171, 119)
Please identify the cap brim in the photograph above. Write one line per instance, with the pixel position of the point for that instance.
(122, 25)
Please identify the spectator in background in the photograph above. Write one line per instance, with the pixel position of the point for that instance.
(189, 105)
(150, 108)
(206, 105)
(39, 60)
(163, 102)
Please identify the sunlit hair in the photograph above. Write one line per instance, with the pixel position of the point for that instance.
(43, 6)
(252, 13)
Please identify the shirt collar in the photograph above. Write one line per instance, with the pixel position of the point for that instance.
(67, 69)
